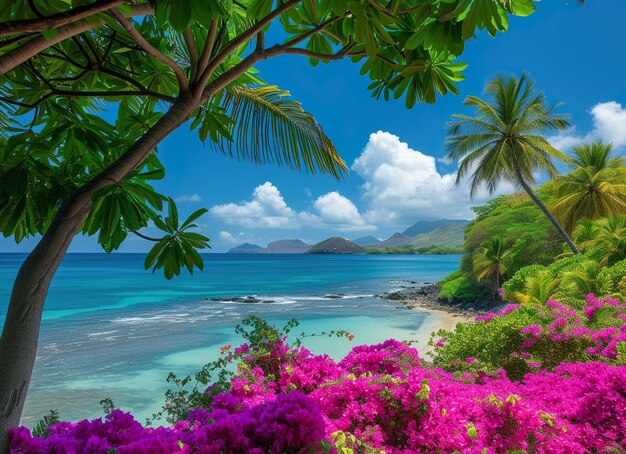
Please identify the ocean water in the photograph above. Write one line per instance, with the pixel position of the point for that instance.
(112, 329)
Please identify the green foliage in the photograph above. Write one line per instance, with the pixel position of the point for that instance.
(488, 261)
(408, 249)
(496, 344)
(40, 429)
(538, 289)
(595, 188)
(459, 286)
(140, 60)
(504, 140)
(517, 282)
(568, 279)
(492, 344)
(584, 280)
(178, 246)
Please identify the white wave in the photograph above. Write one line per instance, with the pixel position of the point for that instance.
(102, 333)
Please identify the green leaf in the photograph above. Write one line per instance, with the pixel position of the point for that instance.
(192, 217)
(180, 15)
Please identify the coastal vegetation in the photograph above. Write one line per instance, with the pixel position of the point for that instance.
(155, 66)
(543, 378)
(544, 375)
(434, 249)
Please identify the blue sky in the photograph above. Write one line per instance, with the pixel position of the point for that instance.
(576, 55)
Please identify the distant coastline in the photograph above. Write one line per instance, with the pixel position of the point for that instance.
(440, 237)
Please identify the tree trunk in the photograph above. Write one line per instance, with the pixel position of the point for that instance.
(18, 344)
(545, 210)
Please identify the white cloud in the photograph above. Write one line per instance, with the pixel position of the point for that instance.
(228, 237)
(189, 198)
(609, 125)
(267, 209)
(339, 212)
(402, 184)
(609, 120)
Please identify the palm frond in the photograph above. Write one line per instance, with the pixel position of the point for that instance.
(270, 127)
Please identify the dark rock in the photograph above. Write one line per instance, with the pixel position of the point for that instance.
(334, 296)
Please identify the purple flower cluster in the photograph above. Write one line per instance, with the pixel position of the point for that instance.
(384, 396)
(287, 422)
(569, 330)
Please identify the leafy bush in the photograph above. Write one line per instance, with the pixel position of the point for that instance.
(517, 282)
(617, 273)
(524, 338)
(462, 287)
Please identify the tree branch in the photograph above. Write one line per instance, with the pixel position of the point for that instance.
(324, 57)
(38, 44)
(150, 50)
(208, 47)
(242, 38)
(57, 93)
(193, 52)
(57, 20)
(145, 237)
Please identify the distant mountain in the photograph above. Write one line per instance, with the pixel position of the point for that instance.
(366, 241)
(246, 248)
(450, 235)
(287, 247)
(397, 239)
(429, 226)
(335, 245)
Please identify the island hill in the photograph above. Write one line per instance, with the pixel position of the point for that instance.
(443, 236)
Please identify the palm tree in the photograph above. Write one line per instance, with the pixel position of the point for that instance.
(595, 188)
(504, 141)
(609, 243)
(488, 261)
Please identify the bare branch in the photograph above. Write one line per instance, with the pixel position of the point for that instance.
(193, 52)
(149, 49)
(145, 237)
(208, 47)
(57, 20)
(38, 44)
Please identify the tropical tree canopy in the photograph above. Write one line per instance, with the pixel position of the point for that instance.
(503, 141)
(595, 188)
(64, 64)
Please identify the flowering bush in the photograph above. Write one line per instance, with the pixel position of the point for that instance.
(384, 398)
(523, 338)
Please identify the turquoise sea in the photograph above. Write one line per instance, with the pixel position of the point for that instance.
(111, 329)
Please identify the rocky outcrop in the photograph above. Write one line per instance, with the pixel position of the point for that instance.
(427, 297)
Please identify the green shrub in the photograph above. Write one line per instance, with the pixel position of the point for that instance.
(617, 273)
(584, 278)
(517, 282)
(570, 263)
(461, 287)
(493, 344)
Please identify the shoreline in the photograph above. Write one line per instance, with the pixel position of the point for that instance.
(443, 315)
